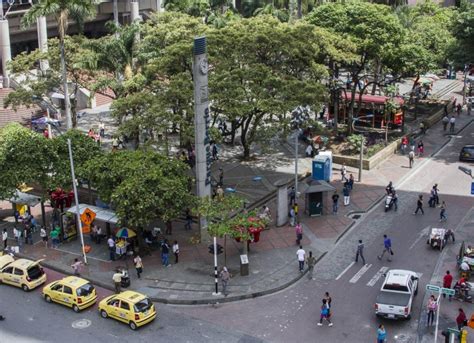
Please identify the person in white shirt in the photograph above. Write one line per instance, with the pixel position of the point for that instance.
(309, 151)
(5, 238)
(111, 244)
(17, 234)
(44, 236)
(175, 251)
(301, 257)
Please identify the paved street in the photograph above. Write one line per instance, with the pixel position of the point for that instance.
(27, 322)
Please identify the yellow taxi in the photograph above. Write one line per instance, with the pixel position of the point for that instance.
(22, 273)
(71, 291)
(129, 307)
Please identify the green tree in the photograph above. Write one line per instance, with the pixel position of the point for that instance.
(463, 30)
(63, 10)
(261, 69)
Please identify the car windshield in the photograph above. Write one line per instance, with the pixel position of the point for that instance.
(142, 305)
(468, 149)
(85, 290)
(35, 272)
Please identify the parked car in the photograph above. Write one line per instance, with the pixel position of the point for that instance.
(467, 153)
(395, 300)
(71, 291)
(22, 273)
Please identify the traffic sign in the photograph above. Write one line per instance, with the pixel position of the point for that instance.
(433, 288)
(447, 291)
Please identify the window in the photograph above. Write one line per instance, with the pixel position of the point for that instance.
(67, 290)
(113, 302)
(57, 288)
(8, 270)
(395, 287)
(18, 271)
(124, 306)
(143, 305)
(85, 290)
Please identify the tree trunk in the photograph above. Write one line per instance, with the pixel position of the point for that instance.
(355, 81)
(233, 131)
(67, 103)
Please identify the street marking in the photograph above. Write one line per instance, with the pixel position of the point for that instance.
(423, 233)
(345, 270)
(361, 272)
(377, 276)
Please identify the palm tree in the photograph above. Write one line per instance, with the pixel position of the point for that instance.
(63, 10)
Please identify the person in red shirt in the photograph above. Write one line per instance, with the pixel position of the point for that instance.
(447, 281)
(461, 319)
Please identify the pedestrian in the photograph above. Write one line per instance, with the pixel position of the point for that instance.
(387, 248)
(436, 193)
(300, 253)
(117, 278)
(111, 245)
(5, 238)
(102, 129)
(165, 250)
(347, 196)
(350, 183)
(17, 235)
(461, 319)
(445, 121)
(175, 249)
(265, 214)
(309, 150)
(310, 261)
(452, 122)
(328, 299)
(458, 109)
(44, 236)
(421, 148)
(412, 144)
(335, 200)
(189, 220)
(431, 308)
(299, 233)
(99, 235)
(169, 227)
(343, 172)
(381, 334)
(94, 233)
(419, 205)
(404, 145)
(442, 213)
(221, 177)
(137, 260)
(411, 158)
(360, 252)
(76, 267)
(225, 278)
(469, 108)
(292, 216)
(447, 282)
(324, 314)
(292, 196)
(220, 193)
(422, 128)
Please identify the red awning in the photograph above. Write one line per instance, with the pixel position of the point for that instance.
(375, 99)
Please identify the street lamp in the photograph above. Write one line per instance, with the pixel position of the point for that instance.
(299, 116)
(361, 153)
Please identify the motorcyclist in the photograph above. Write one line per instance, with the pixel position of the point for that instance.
(395, 199)
(463, 287)
(389, 188)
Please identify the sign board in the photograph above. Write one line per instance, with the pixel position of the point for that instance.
(448, 291)
(88, 216)
(433, 288)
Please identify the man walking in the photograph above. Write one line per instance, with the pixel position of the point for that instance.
(411, 158)
(111, 244)
(301, 257)
(452, 122)
(335, 200)
(387, 248)
(419, 205)
(165, 250)
(4, 238)
(225, 277)
(442, 213)
(343, 173)
(445, 121)
(347, 196)
(117, 278)
(76, 267)
(447, 282)
(311, 261)
(360, 252)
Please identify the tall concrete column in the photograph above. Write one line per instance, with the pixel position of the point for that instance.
(159, 7)
(42, 40)
(282, 202)
(115, 10)
(5, 51)
(202, 120)
(135, 11)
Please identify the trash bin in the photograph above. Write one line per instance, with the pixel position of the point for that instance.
(125, 282)
(244, 265)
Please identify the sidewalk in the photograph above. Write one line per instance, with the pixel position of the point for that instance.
(273, 263)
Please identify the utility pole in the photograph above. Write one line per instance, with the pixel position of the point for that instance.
(5, 48)
(361, 157)
(42, 41)
(76, 199)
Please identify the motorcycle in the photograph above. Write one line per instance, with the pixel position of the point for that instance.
(462, 292)
(389, 200)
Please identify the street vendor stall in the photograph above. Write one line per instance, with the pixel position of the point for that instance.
(466, 257)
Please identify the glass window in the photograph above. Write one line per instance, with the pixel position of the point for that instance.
(85, 290)
(143, 305)
(57, 288)
(67, 290)
(18, 271)
(113, 302)
(8, 270)
(124, 305)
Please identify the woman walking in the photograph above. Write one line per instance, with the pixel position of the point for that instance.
(175, 249)
(138, 265)
(299, 233)
(442, 213)
(324, 314)
(431, 308)
(381, 334)
(44, 236)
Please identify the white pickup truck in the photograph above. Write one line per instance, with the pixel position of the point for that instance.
(395, 299)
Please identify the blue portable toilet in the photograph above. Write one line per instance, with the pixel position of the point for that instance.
(322, 168)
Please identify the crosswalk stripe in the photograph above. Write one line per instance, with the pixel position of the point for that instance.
(377, 276)
(345, 270)
(359, 274)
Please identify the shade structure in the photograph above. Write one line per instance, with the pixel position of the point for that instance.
(101, 214)
(125, 233)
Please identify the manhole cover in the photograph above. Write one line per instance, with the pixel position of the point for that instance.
(81, 324)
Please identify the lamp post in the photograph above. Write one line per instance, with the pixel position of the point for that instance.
(361, 153)
(299, 116)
